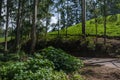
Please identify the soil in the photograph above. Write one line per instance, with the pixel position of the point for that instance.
(97, 72)
(112, 41)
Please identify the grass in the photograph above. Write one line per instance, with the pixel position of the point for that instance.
(113, 27)
(3, 39)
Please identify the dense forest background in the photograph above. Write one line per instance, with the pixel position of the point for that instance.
(59, 39)
(31, 20)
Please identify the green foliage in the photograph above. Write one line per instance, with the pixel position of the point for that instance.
(113, 27)
(9, 57)
(76, 76)
(62, 60)
(99, 20)
(3, 39)
(91, 43)
(32, 69)
(118, 23)
(113, 18)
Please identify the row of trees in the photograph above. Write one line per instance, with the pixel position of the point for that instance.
(25, 18)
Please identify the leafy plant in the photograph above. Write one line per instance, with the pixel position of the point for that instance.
(32, 69)
(62, 60)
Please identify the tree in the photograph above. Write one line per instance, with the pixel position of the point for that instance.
(1, 1)
(105, 19)
(93, 8)
(83, 17)
(33, 29)
(6, 29)
(18, 24)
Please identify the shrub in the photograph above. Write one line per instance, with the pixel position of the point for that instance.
(32, 69)
(76, 76)
(62, 60)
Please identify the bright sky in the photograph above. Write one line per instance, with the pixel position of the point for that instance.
(53, 20)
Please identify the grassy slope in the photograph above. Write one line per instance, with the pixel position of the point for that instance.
(3, 39)
(113, 27)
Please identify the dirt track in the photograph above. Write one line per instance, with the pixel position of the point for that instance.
(101, 69)
(108, 62)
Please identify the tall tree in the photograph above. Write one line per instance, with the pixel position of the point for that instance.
(6, 29)
(1, 1)
(105, 19)
(18, 26)
(67, 18)
(33, 31)
(83, 17)
(92, 6)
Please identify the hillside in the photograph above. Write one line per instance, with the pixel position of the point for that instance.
(113, 27)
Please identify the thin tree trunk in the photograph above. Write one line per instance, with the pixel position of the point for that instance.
(96, 24)
(18, 27)
(33, 31)
(83, 17)
(58, 24)
(105, 22)
(1, 7)
(6, 30)
(47, 23)
(96, 29)
(21, 20)
(67, 20)
(1, 1)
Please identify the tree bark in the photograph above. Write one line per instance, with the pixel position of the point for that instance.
(33, 31)
(96, 29)
(96, 24)
(67, 20)
(1, 1)
(105, 22)
(6, 29)
(83, 17)
(18, 27)
(58, 24)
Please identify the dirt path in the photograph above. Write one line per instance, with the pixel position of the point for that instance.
(108, 62)
(101, 69)
(100, 73)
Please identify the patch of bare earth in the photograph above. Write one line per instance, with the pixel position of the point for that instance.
(109, 40)
(97, 72)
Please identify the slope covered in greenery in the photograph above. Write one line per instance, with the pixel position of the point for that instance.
(113, 27)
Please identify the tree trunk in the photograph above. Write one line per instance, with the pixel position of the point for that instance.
(6, 30)
(18, 27)
(105, 22)
(1, 1)
(1, 7)
(46, 28)
(96, 24)
(96, 29)
(67, 20)
(33, 31)
(58, 24)
(83, 17)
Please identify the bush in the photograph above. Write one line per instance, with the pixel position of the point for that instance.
(76, 76)
(62, 60)
(32, 69)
